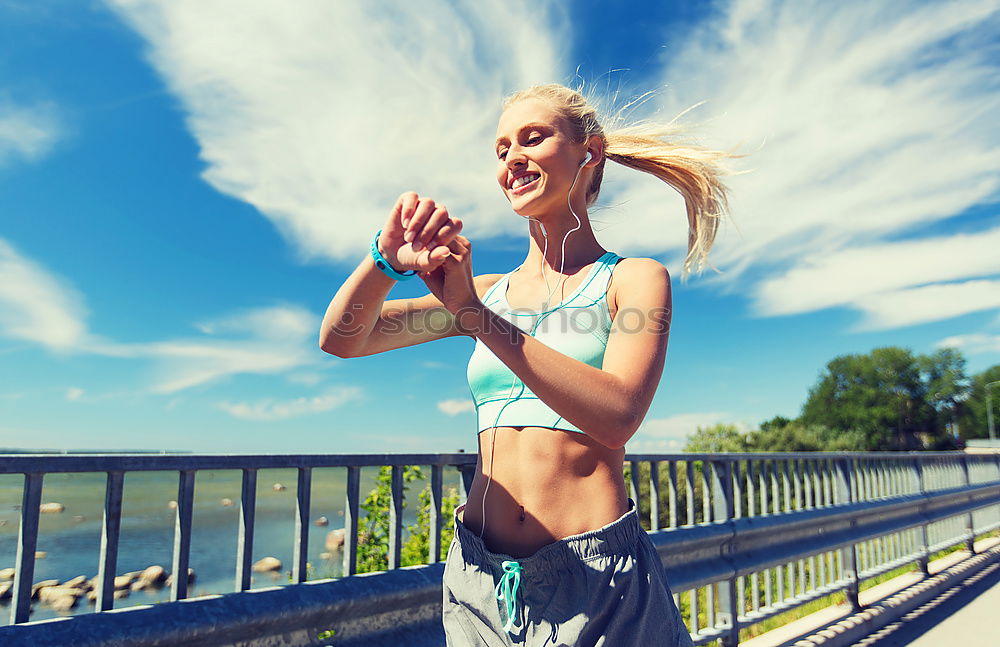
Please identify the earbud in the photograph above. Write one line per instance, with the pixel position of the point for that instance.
(586, 159)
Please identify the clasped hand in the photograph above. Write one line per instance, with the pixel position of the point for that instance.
(421, 236)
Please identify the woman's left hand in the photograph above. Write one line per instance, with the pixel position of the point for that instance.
(451, 282)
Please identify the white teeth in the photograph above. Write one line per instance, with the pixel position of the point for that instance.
(524, 179)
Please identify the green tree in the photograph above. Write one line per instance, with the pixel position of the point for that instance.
(970, 413)
(716, 438)
(882, 395)
(373, 529)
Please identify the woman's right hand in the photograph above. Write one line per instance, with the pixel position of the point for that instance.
(417, 234)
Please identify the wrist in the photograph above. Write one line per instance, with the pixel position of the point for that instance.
(472, 319)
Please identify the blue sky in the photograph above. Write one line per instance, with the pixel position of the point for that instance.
(185, 185)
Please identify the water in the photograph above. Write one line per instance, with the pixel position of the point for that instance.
(72, 539)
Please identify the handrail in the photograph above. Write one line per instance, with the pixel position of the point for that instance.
(726, 524)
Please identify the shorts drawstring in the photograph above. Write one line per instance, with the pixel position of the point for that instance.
(507, 592)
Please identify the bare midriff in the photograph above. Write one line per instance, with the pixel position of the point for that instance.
(546, 484)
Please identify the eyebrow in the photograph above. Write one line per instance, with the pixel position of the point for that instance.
(521, 130)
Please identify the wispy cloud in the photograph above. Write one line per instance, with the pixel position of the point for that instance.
(27, 131)
(38, 306)
(455, 406)
(270, 340)
(864, 121)
(973, 344)
(269, 409)
(670, 434)
(74, 393)
(321, 114)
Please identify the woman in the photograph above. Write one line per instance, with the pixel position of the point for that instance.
(570, 347)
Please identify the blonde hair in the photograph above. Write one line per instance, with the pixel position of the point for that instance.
(692, 170)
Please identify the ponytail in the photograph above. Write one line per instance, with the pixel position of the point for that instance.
(693, 171)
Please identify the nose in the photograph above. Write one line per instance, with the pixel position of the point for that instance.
(515, 157)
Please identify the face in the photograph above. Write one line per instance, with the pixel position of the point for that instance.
(536, 159)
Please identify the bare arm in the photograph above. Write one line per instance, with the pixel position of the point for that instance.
(608, 403)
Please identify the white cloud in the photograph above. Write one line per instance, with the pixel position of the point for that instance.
(74, 393)
(26, 131)
(456, 406)
(269, 409)
(37, 306)
(864, 122)
(678, 427)
(973, 344)
(320, 114)
(266, 340)
(928, 303)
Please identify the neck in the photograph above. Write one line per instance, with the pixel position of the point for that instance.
(581, 248)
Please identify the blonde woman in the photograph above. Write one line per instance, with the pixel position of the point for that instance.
(570, 347)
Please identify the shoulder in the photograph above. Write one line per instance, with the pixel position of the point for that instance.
(484, 282)
(639, 280)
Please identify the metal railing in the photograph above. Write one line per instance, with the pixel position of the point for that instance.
(743, 537)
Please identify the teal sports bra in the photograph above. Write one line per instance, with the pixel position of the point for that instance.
(579, 327)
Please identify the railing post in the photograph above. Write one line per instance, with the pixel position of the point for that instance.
(723, 510)
(27, 543)
(634, 472)
(434, 540)
(395, 516)
(351, 520)
(109, 541)
(468, 473)
(244, 540)
(970, 530)
(848, 554)
(918, 486)
(654, 495)
(182, 535)
(303, 504)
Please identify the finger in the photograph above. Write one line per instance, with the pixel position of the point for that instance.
(430, 230)
(446, 233)
(407, 203)
(425, 207)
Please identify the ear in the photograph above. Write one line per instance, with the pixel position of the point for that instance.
(596, 149)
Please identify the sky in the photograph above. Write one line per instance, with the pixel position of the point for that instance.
(185, 184)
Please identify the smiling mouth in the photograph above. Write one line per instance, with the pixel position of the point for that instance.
(520, 184)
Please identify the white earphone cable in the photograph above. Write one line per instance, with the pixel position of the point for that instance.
(562, 264)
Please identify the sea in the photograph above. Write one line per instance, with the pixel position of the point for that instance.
(71, 540)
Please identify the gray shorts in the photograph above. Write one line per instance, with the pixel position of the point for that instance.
(606, 587)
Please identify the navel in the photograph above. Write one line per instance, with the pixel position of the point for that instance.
(522, 514)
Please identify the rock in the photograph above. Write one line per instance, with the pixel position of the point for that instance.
(3, 522)
(79, 518)
(63, 603)
(7, 574)
(50, 594)
(326, 555)
(121, 594)
(41, 554)
(38, 586)
(322, 522)
(153, 576)
(172, 504)
(170, 578)
(51, 508)
(267, 564)
(124, 581)
(5, 590)
(92, 595)
(278, 487)
(78, 582)
(227, 502)
(334, 539)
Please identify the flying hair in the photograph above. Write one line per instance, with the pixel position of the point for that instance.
(693, 171)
